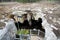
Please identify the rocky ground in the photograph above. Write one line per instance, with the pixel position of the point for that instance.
(52, 11)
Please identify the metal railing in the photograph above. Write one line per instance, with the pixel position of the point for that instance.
(28, 36)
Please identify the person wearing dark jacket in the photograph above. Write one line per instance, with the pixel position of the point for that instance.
(25, 22)
(39, 25)
(32, 21)
(18, 25)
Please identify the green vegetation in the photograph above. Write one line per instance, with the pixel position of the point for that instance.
(53, 0)
(23, 31)
(28, 1)
(31, 1)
